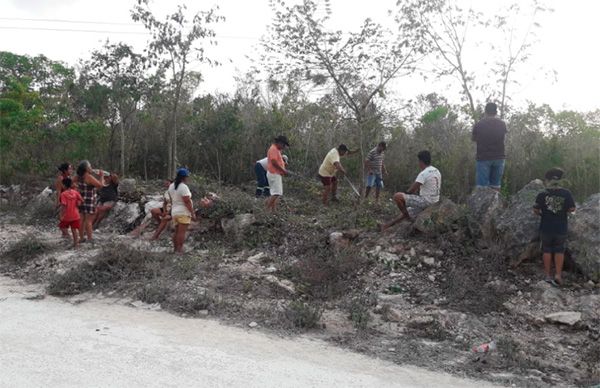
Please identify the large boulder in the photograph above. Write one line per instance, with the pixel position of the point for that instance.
(517, 228)
(235, 226)
(123, 217)
(485, 206)
(127, 186)
(584, 237)
(438, 217)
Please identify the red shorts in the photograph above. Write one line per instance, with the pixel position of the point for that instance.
(327, 180)
(75, 224)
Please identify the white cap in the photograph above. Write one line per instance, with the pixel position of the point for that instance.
(285, 159)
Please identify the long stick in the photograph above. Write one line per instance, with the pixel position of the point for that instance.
(351, 185)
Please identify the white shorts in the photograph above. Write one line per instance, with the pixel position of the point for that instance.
(275, 183)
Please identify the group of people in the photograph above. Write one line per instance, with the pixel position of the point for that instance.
(553, 205)
(86, 197)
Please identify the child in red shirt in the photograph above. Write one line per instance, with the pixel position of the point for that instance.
(70, 200)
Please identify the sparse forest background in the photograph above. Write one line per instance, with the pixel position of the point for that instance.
(140, 114)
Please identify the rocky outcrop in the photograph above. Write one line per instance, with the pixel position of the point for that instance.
(123, 217)
(485, 207)
(127, 185)
(438, 217)
(584, 237)
(517, 228)
(235, 226)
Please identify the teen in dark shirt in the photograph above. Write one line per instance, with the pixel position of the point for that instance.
(553, 205)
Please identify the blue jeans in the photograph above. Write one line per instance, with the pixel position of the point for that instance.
(374, 180)
(489, 173)
(262, 184)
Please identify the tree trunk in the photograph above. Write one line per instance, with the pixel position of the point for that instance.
(122, 128)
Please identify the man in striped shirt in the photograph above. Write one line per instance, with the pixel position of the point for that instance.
(375, 168)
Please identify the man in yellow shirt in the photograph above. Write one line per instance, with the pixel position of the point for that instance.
(328, 170)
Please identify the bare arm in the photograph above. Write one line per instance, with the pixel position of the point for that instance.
(187, 201)
(537, 211)
(90, 180)
(338, 166)
(58, 187)
(279, 168)
(414, 188)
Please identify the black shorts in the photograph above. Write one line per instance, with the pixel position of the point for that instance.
(553, 243)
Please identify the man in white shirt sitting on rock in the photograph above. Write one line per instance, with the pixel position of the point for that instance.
(424, 192)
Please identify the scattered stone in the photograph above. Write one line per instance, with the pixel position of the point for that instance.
(431, 277)
(253, 324)
(338, 240)
(203, 313)
(412, 252)
(394, 315)
(564, 317)
(501, 286)
(430, 261)
(271, 269)
(256, 259)
(421, 321)
(281, 283)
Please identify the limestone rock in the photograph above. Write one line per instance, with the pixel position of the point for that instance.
(564, 317)
(236, 225)
(485, 206)
(127, 185)
(518, 226)
(438, 217)
(584, 237)
(123, 217)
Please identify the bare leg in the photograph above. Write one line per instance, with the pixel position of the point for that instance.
(163, 224)
(65, 232)
(325, 195)
(274, 203)
(88, 225)
(377, 192)
(334, 190)
(559, 259)
(84, 217)
(547, 257)
(75, 233)
(367, 191)
(180, 237)
(399, 199)
(100, 212)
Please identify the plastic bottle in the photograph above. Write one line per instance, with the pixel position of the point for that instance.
(484, 348)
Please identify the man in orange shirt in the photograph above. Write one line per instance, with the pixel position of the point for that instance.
(275, 171)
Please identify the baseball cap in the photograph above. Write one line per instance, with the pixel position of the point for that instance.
(282, 139)
(285, 158)
(182, 171)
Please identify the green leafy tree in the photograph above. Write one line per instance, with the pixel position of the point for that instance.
(176, 41)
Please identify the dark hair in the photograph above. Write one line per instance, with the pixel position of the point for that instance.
(82, 168)
(178, 180)
(64, 167)
(382, 144)
(554, 174)
(425, 157)
(491, 108)
(67, 182)
(343, 148)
